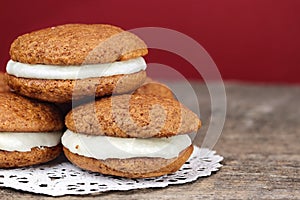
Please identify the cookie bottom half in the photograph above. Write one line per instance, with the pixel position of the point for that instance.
(61, 91)
(12, 159)
(131, 167)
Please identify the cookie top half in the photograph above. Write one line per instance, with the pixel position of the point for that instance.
(20, 114)
(77, 44)
(151, 87)
(137, 116)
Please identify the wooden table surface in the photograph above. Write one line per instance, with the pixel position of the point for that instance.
(260, 144)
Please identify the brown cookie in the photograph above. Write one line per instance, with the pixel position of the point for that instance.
(138, 116)
(3, 84)
(11, 159)
(20, 114)
(62, 91)
(151, 87)
(133, 167)
(77, 44)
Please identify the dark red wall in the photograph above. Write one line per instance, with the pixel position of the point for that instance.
(251, 40)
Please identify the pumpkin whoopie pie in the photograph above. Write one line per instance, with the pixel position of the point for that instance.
(134, 136)
(30, 131)
(74, 61)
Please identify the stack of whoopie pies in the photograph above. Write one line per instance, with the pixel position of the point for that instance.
(129, 127)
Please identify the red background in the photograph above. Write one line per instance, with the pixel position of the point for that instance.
(250, 40)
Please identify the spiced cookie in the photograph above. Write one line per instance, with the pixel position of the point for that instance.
(3, 85)
(30, 131)
(151, 87)
(134, 136)
(137, 116)
(73, 61)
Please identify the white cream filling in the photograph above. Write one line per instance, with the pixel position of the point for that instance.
(104, 147)
(39, 71)
(11, 141)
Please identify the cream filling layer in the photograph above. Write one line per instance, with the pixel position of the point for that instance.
(23, 142)
(104, 147)
(40, 71)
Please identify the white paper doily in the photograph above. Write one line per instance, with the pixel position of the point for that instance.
(60, 177)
